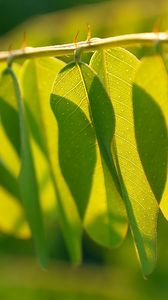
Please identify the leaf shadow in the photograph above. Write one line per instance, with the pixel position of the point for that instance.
(76, 149)
(151, 138)
(102, 114)
(101, 231)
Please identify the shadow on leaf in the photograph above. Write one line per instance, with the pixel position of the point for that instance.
(152, 139)
(77, 149)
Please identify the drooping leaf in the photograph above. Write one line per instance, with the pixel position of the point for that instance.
(102, 116)
(37, 80)
(150, 98)
(150, 94)
(82, 165)
(12, 219)
(27, 177)
(116, 68)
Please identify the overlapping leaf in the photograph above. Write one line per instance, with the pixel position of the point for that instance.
(12, 219)
(37, 80)
(116, 68)
(150, 98)
(83, 163)
(27, 177)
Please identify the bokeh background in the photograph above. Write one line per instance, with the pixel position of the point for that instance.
(104, 274)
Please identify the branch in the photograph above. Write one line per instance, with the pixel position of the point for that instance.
(150, 39)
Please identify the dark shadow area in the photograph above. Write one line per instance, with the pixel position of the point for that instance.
(102, 115)
(77, 149)
(152, 139)
(101, 112)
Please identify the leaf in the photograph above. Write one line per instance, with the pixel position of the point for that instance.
(150, 95)
(27, 176)
(37, 80)
(81, 163)
(11, 211)
(116, 68)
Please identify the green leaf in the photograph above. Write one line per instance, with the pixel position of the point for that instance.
(40, 73)
(150, 98)
(12, 219)
(27, 176)
(116, 68)
(37, 79)
(150, 94)
(82, 165)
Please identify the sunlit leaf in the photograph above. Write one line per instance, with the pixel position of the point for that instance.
(150, 94)
(37, 80)
(83, 167)
(27, 177)
(116, 68)
(150, 104)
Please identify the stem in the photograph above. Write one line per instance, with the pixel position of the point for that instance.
(150, 39)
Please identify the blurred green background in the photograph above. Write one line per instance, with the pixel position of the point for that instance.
(105, 274)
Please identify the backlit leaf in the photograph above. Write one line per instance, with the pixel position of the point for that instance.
(82, 165)
(37, 80)
(12, 219)
(116, 68)
(150, 99)
(27, 177)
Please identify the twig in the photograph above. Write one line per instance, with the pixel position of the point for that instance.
(93, 44)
